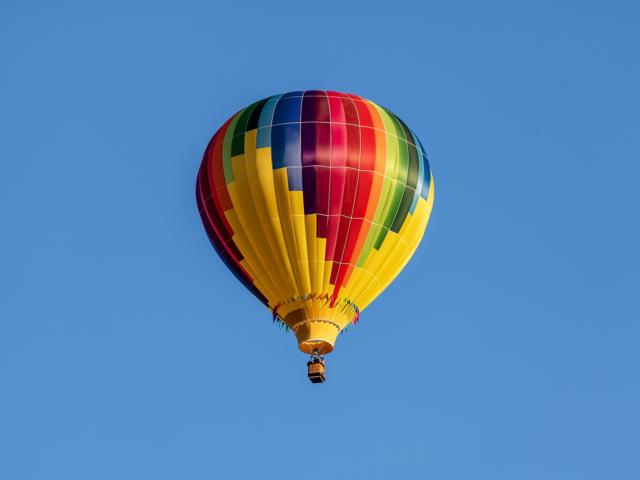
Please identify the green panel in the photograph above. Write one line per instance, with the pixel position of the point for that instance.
(390, 211)
(226, 149)
(237, 144)
(374, 231)
(414, 168)
(403, 151)
(391, 149)
(400, 175)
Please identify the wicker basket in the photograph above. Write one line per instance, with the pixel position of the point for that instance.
(316, 372)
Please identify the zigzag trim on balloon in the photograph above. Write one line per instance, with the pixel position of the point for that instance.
(314, 296)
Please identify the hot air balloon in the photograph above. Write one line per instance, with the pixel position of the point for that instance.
(315, 200)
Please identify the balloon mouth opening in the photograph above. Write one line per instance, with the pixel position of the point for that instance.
(321, 346)
(316, 327)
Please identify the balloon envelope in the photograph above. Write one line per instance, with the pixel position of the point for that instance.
(315, 200)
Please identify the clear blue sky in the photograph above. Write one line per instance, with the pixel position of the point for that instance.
(127, 351)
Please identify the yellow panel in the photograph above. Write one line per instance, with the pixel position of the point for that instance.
(281, 183)
(258, 164)
(256, 271)
(253, 249)
(321, 247)
(396, 258)
(310, 231)
(299, 228)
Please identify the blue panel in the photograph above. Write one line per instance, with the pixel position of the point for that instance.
(426, 171)
(285, 145)
(288, 110)
(264, 137)
(266, 116)
(420, 183)
(298, 93)
(294, 174)
(264, 122)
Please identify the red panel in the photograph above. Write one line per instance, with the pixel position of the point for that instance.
(349, 197)
(331, 93)
(316, 144)
(222, 195)
(365, 182)
(364, 114)
(335, 209)
(368, 148)
(351, 114)
(352, 240)
(322, 189)
(205, 184)
(229, 251)
(353, 146)
(338, 145)
(350, 253)
(351, 187)
(336, 108)
(322, 225)
(338, 175)
(315, 107)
